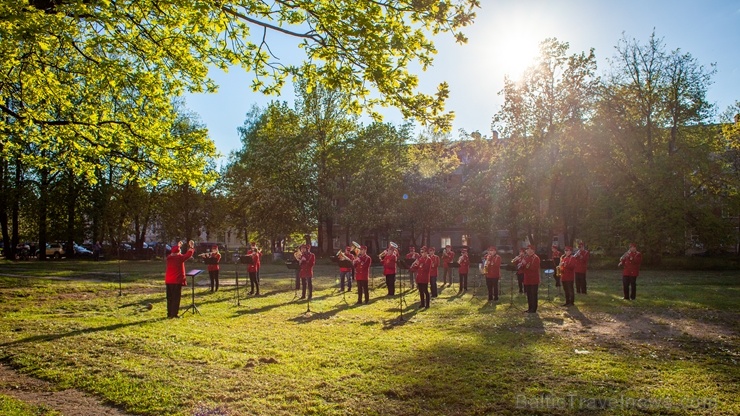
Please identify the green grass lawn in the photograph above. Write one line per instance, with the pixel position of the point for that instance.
(672, 351)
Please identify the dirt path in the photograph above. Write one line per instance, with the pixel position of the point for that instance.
(42, 393)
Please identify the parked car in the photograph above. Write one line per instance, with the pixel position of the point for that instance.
(55, 250)
(504, 249)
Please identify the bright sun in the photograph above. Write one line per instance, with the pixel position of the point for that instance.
(514, 47)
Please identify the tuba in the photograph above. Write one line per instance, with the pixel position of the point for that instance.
(623, 258)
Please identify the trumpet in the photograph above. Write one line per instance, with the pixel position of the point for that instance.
(340, 255)
(460, 259)
(623, 258)
(298, 255)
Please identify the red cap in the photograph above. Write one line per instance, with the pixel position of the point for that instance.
(412, 248)
(175, 249)
(348, 248)
(252, 243)
(363, 247)
(580, 244)
(633, 245)
(531, 247)
(554, 246)
(214, 246)
(492, 248)
(568, 248)
(431, 249)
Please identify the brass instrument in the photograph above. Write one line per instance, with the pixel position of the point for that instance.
(356, 248)
(623, 258)
(559, 267)
(459, 260)
(298, 255)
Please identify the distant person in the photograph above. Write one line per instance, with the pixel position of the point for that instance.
(175, 278)
(421, 267)
(448, 257)
(362, 265)
(555, 257)
(462, 273)
(531, 268)
(345, 273)
(517, 262)
(493, 273)
(389, 258)
(630, 261)
(254, 268)
(433, 271)
(581, 256)
(213, 266)
(97, 250)
(567, 275)
(306, 264)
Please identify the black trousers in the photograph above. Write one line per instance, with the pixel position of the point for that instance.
(433, 285)
(174, 294)
(581, 283)
(520, 280)
(531, 291)
(492, 283)
(390, 283)
(254, 281)
(345, 276)
(297, 279)
(570, 295)
(629, 284)
(306, 282)
(557, 281)
(412, 279)
(213, 275)
(463, 281)
(362, 287)
(423, 294)
(447, 275)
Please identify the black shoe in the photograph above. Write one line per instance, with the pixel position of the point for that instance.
(251, 293)
(626, 298)
(565, 304)
(367, 301)
(358, 303)
(302, 297)
(495, 299)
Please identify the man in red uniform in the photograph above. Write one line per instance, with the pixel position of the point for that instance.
(174, 277)
(254, 268)
(493, 273)
(422, 266)
(448, 256)
(345, 273)
(306, 264)
(581, 257)
(462, 273)
(567, 275)
(531, 269)
(259, 259)
(213, 267)
(389, 269)
(517, 261)
(555, 257)
(412, 255)
(631, 261)
(433, 270)
(362, 265)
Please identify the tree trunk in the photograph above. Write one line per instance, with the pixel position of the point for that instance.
(71, 202)
(43, 207)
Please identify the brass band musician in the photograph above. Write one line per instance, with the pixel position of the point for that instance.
(492, 266)
(389, 258)
(345, 273)
(254, 268)
(555, 257)
(448, 256)
(306, 263)
(213, 267)
(517, 261)
(462, 272)
(631, 261)
(567, 268)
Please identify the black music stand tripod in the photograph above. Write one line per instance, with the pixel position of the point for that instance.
(192, 306)
(346, 264)
(293, 265)
(513, 270)
(404, 265)
(548, 266)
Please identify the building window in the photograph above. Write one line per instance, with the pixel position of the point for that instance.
(445, 241)
(465, 240)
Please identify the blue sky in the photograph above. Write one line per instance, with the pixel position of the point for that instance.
(504, 40)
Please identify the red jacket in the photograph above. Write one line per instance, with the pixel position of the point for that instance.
(212, 267)
(447, 258)
(255, 266)
(567, 269)
(362, 267)
(435, 264)
(389, 264)
(531, 269)
(464, 264)
(632, 264)
(582, 261)
(494, 267)
(422, 269)
(175, 273)
(306, 265)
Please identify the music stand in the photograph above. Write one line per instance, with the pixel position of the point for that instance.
(513, 269)
(192, 306)
(402, 298)
(236, 274)
(454, 266)
(347, 264)
(478, 278)
(548, 266)
(293, 265)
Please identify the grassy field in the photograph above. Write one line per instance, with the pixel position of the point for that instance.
(672, 351)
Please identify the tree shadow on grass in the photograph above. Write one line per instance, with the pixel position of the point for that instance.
(53, 337)
(308, 317)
